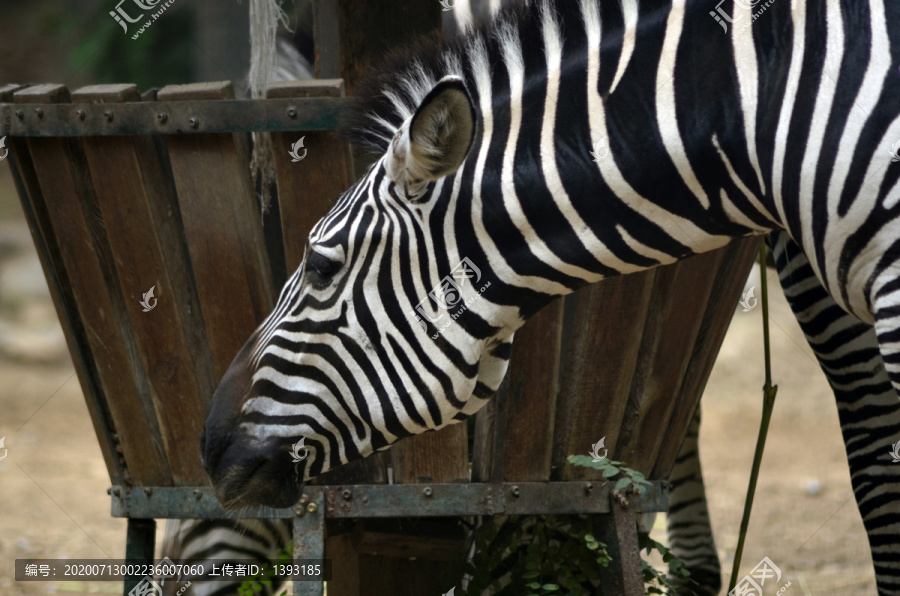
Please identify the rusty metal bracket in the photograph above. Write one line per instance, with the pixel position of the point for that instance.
(170, 117)
(395, 500)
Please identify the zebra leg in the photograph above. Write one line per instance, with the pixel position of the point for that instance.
(690, 532)
(257, 539)
(868, 403)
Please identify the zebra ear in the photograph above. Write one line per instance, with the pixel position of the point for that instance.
(436, 140)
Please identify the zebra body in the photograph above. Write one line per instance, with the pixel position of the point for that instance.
(575, 141)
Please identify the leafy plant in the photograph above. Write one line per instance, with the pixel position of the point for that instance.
(558, 554)
(258, 583)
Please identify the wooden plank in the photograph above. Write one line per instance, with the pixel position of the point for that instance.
(678, 301)
(73, 212)
(434, 539)
(531, 404)
(36, 216)
(143, 225)
(737, 261)
(440, 456)
(307, 188)
(222, 227)
(601, 356)
(370, 28)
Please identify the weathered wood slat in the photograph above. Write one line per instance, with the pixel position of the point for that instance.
(530, 407)
(307, 188)
(36, 216)
(143, 224)
(72, 209)
(673, 322)
(222, 228)
(601, 355)
(737, 261)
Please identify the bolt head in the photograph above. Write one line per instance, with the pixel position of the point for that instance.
(304, 499)
(39, 112)
(108, 115)
(300, 511)
(162, 117)
(20, 114)
(194, 122)
(427, 491)
(346, 494)
(312, 507)
(80, 114)
(292, 112)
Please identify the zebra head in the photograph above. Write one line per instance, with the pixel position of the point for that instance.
(392, 325)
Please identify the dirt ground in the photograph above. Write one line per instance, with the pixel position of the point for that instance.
(53, 501)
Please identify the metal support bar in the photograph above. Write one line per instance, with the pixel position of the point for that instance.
(170, 117)
(395, 500)
(618, 532)
(309, 538)
(140, 542)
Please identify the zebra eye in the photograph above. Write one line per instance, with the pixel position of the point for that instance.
(324, 267)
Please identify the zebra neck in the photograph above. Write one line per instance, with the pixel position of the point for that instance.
(586, 166)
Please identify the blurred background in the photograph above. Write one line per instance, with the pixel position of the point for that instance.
(53, 501)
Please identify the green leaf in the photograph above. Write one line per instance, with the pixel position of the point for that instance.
(622, 483)
(550, 587)
(610, 472)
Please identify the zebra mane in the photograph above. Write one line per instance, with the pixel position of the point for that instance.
(390, 93)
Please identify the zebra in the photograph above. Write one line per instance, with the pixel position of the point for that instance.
(326, 367)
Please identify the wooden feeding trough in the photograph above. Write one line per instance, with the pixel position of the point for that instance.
(124, 192)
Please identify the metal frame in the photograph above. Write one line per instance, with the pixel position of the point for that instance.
(321, 503)
(170, 117)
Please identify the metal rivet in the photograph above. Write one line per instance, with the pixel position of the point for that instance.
(427, 491)
(162, 117)
(148, 491)
(292, 112)
(80, 114)
(194, 122)
(346, 494)
(304, 499)
(39, 112)
(197, 494)
(108, 115)
(20, 114)
(515, 491)
(300, 511)
(588, 487)
(312, 507)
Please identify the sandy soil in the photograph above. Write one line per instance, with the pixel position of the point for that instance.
(53, 482)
